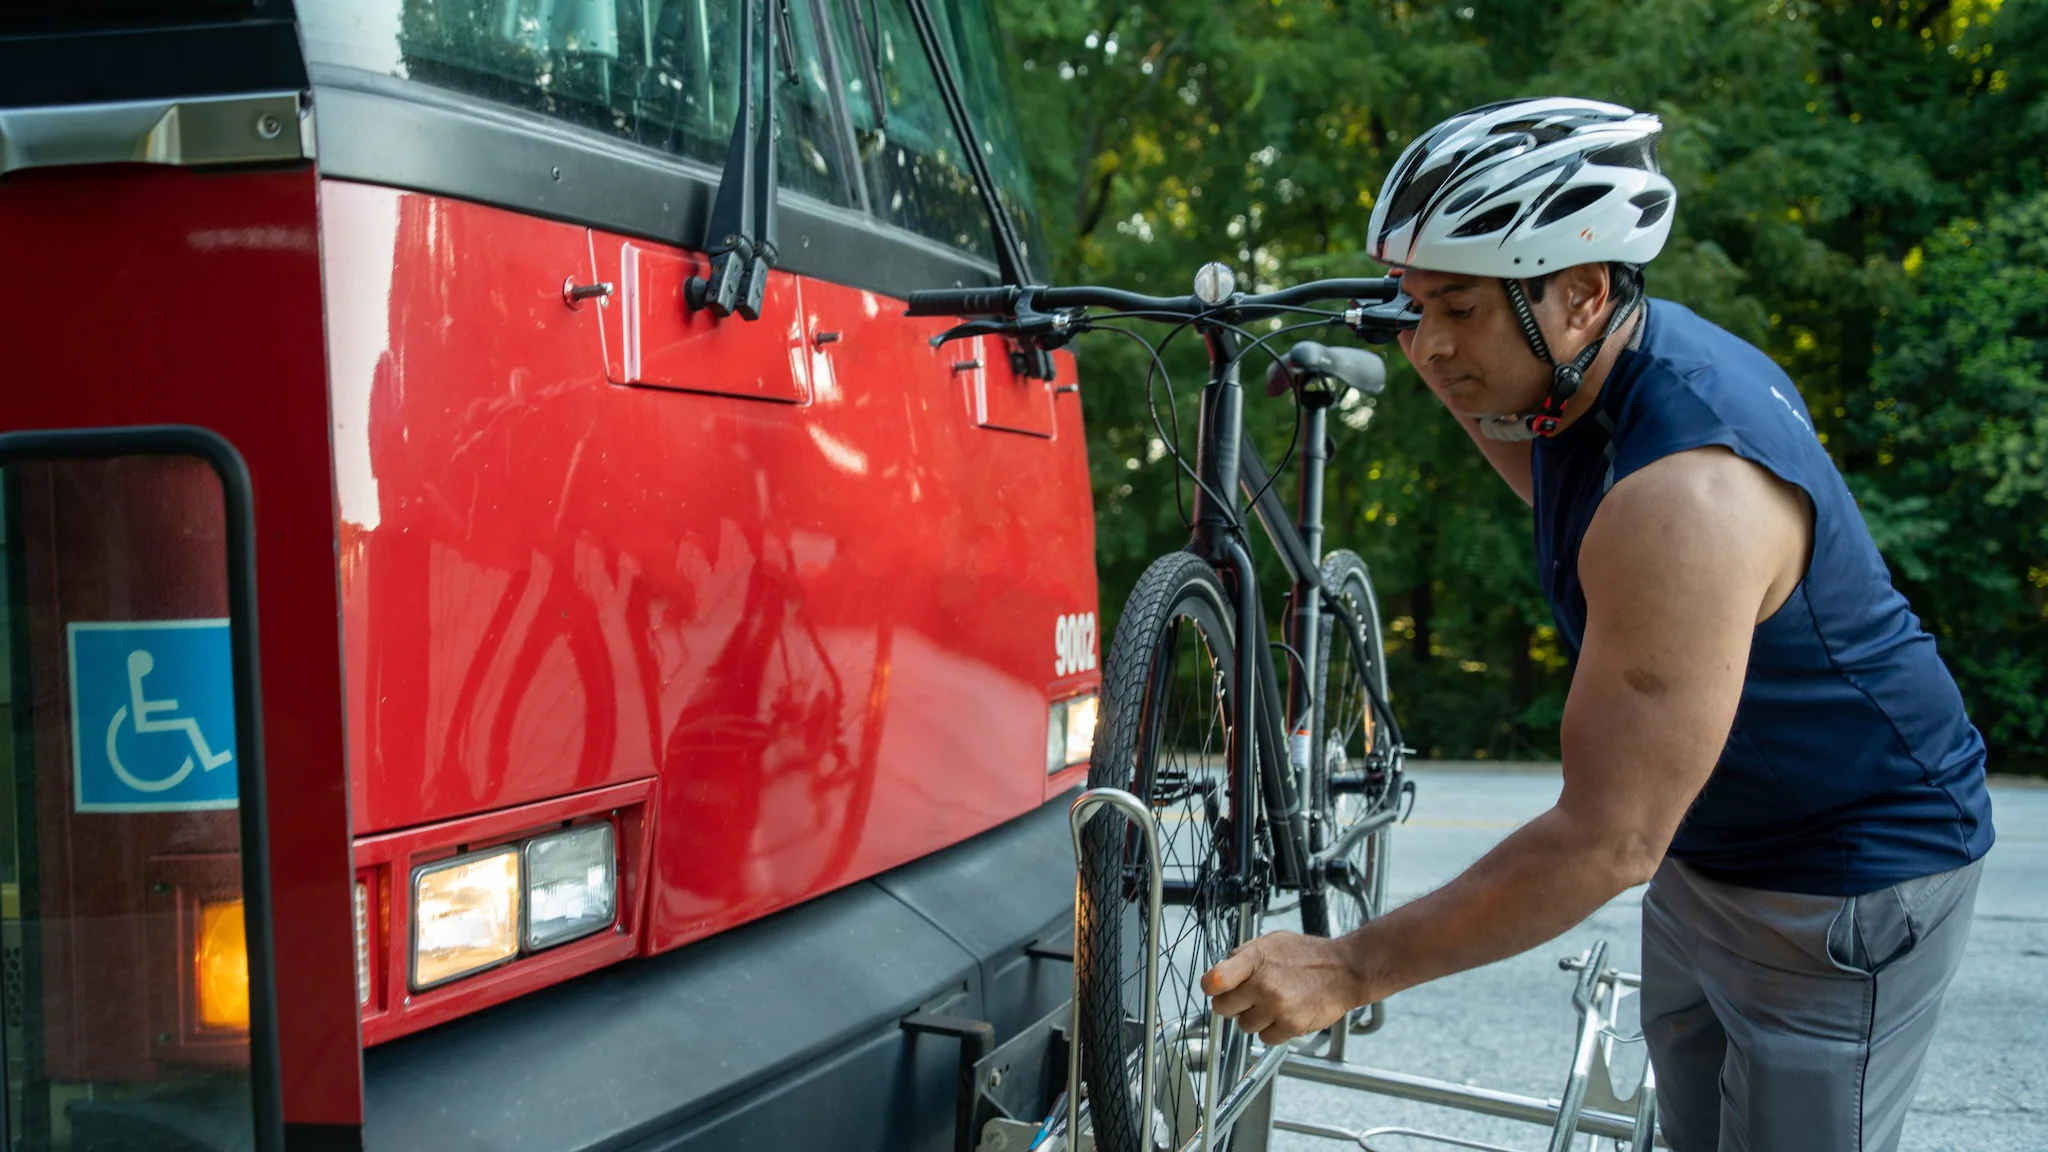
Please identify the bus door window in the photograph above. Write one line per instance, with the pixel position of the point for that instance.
(916, 176)
(128, 992)
(659, 73)
(975, 46)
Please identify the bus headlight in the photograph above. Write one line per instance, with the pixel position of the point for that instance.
(465, 915)
(1070, 734)
(571, 885)
(220, 966)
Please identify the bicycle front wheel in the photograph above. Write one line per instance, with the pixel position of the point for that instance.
(1164, 736)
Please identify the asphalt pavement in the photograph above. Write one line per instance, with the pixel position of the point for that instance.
(1510, 1025)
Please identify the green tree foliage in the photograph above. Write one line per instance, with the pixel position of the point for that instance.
(1951, 436)
(1855, 180)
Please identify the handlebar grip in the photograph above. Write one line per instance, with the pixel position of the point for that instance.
(963, 301)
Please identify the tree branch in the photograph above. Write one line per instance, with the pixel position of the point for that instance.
(1092, 201)
(1098, 204)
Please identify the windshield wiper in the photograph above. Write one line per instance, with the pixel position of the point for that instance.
(868, 46)
(1009, 247)
(742, 233)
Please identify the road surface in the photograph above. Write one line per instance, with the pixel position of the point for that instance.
(1510, 1025)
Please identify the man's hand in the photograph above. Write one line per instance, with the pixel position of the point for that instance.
(1284, 985)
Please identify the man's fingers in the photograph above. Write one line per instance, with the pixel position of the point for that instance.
(1257, 1021)
(1234, 1002)
(1241, 963)
(1276, 1034)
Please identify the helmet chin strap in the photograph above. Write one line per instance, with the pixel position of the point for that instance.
(1565, 379)
(1512, 429)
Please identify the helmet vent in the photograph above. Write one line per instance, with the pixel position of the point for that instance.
(1418, 193)
(1466, 199)
(1654, 205)
(1539, 131)
(1638, 154)
(1491, 220)
(1571, 201)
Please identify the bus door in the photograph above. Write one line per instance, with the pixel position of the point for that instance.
(132, 880)
(158, 221)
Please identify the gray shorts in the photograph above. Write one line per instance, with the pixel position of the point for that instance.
(1786, 1023)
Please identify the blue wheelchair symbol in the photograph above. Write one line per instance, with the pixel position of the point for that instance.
(153, 722)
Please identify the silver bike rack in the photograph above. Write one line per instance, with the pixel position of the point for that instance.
(1591, 1105)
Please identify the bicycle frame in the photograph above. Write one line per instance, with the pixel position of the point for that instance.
(1226, 461)
(1041, 318)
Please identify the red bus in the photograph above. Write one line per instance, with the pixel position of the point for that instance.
(512, 639)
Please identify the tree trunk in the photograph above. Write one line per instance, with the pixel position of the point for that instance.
(1424, 601)
(1521, 683)
(1521, 672)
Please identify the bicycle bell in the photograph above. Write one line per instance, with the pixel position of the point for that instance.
(1214, 283)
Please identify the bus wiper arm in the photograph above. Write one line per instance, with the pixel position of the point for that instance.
(742, 234)
(868, 46)
(1010, 263)
(787, 39)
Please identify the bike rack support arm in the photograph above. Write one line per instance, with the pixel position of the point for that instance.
(1040, 950)
(1484, 1101)
(976, 1038)
(1232, 1107)
(1139, 813)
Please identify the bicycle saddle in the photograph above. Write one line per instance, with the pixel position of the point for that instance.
(1309, 361)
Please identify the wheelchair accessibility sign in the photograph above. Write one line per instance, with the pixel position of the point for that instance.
(152, 716)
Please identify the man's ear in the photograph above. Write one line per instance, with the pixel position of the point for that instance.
(1583, 291)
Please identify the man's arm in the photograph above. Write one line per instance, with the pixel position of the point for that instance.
(1680, 563)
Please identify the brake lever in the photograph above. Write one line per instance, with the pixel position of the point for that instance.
(1036, 335)
(1030, 351)
(1381, 323)
(974, 328)
(1046, 331)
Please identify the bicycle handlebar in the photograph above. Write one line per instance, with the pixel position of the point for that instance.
(1004, 301)
(964, 301)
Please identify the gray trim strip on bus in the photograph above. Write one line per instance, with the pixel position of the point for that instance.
(402, 134)
(193, 132)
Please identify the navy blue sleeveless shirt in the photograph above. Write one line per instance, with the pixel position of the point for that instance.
(1851, 765)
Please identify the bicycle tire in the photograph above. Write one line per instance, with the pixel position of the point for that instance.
(1140, 747)
(1350, 705)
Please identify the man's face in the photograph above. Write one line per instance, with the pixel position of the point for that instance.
(1469, 347)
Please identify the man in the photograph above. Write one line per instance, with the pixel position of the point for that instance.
(1757, 726)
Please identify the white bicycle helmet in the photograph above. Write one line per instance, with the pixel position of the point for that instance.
(1521, 189)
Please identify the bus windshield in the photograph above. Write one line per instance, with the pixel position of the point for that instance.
(664, 74)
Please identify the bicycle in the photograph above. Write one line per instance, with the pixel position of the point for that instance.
(1301, 807)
